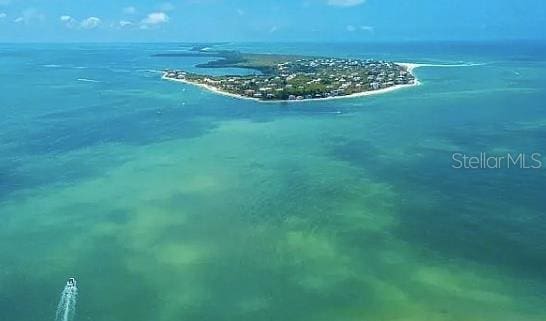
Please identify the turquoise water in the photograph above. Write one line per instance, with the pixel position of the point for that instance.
(168, 202)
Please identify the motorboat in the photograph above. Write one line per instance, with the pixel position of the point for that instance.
(71, 282)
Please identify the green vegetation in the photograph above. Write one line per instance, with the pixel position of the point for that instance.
(286, 77)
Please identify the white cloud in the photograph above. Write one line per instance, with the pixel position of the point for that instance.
(352, 28)
(129, 10)
(3, 15)
(154, 18)
(91, 23)
(345, 3)
(30, 15)
(68, 21)
(125, 23)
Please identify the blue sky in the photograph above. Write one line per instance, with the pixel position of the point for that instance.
(267, 20)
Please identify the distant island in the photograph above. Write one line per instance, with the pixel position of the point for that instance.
(294, 78)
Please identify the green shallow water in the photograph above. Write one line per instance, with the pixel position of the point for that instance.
(219, 209)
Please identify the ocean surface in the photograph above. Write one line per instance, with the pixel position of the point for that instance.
(168, 202)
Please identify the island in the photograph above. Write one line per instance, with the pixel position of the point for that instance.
(294, 78)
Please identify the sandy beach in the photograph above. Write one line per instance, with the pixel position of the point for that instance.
(409, 66)
(215, 90)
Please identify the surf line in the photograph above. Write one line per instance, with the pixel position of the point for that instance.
(66, 309)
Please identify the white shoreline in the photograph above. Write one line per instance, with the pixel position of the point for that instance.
(409, 66)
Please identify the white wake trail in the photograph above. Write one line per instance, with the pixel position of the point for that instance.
(67, 303)
(411, 66)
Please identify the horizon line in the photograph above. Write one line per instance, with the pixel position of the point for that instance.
(536, 40)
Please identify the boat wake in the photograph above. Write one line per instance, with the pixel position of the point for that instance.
(67, 303)
(451, 65)
(411, 66)
(87, 80)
